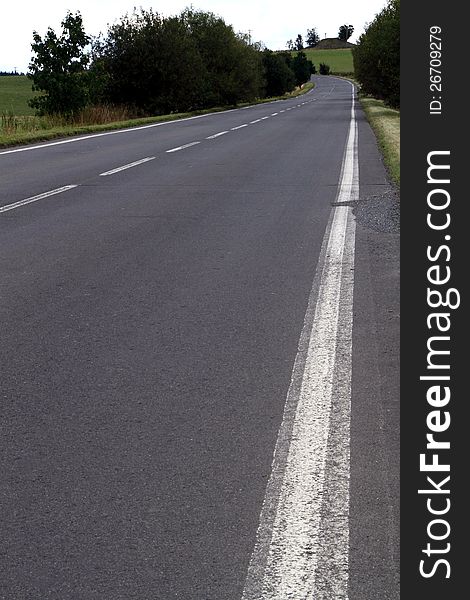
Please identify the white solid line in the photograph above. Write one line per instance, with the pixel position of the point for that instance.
(302, 542)
(216, 135)
(130, 165)
(239, 127)
(256, 121)
(36, 198)
(183, 147)
(349, 186)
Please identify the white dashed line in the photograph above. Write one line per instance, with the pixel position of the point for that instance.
(36, 198)
(129, 166)
(239, 127)
(274, 114)
(216, 135)
(183, 147)
(256, 121)
(264, 118)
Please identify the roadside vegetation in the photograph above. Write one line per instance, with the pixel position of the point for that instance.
(377, 56)
(144, 69)
(377, 72)
(385, 122)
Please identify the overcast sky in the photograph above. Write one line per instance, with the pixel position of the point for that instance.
(270, 21)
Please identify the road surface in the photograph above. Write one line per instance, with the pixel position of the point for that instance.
(199, 353)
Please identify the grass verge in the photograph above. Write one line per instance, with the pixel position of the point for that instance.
(385, 122)
(27, 129)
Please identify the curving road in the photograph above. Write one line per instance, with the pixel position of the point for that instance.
(199, 353)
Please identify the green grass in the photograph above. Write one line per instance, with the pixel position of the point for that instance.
(15, 91)
(385, 122)
(340, 61)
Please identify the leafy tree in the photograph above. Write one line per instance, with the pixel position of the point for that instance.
(279, 76)
(150, 63)
(234, 66)
(302, 68)
(59, 68)
(377, 56)
(345, 32)
(190, 61)
(312, 38)
(299, 43)
(290, 45)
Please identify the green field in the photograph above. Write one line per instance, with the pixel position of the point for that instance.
(15, 91)
(340, 61)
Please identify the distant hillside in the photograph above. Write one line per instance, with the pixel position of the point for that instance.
(332, 44)
(340, 60)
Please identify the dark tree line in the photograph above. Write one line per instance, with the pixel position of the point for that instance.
(377, 56)
(155, 65)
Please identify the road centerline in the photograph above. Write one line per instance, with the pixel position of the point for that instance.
(32, 199)
(183, 147)
(216, 135)
(128, 166)
(239, 127)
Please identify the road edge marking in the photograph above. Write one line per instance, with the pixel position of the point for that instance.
(288, 548)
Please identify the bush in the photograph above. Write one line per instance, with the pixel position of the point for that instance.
(377, 56)
(324, 69)
(176, 64)
(278, 75)
(302, 67)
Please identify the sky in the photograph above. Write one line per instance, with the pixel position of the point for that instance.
(272, 22)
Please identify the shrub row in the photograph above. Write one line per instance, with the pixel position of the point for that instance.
(158, 65)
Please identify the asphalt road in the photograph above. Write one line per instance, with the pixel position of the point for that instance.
(155, 322)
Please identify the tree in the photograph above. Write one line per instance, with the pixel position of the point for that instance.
(377, 56)
(145, 59)
(59, 68)
(278, 73)
(234, 66)
(299, 43)
(159, 65)
(345, 32)
(312, 38)
(290, 45)
(302, 68)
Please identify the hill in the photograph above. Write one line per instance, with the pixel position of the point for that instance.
(332, 44)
